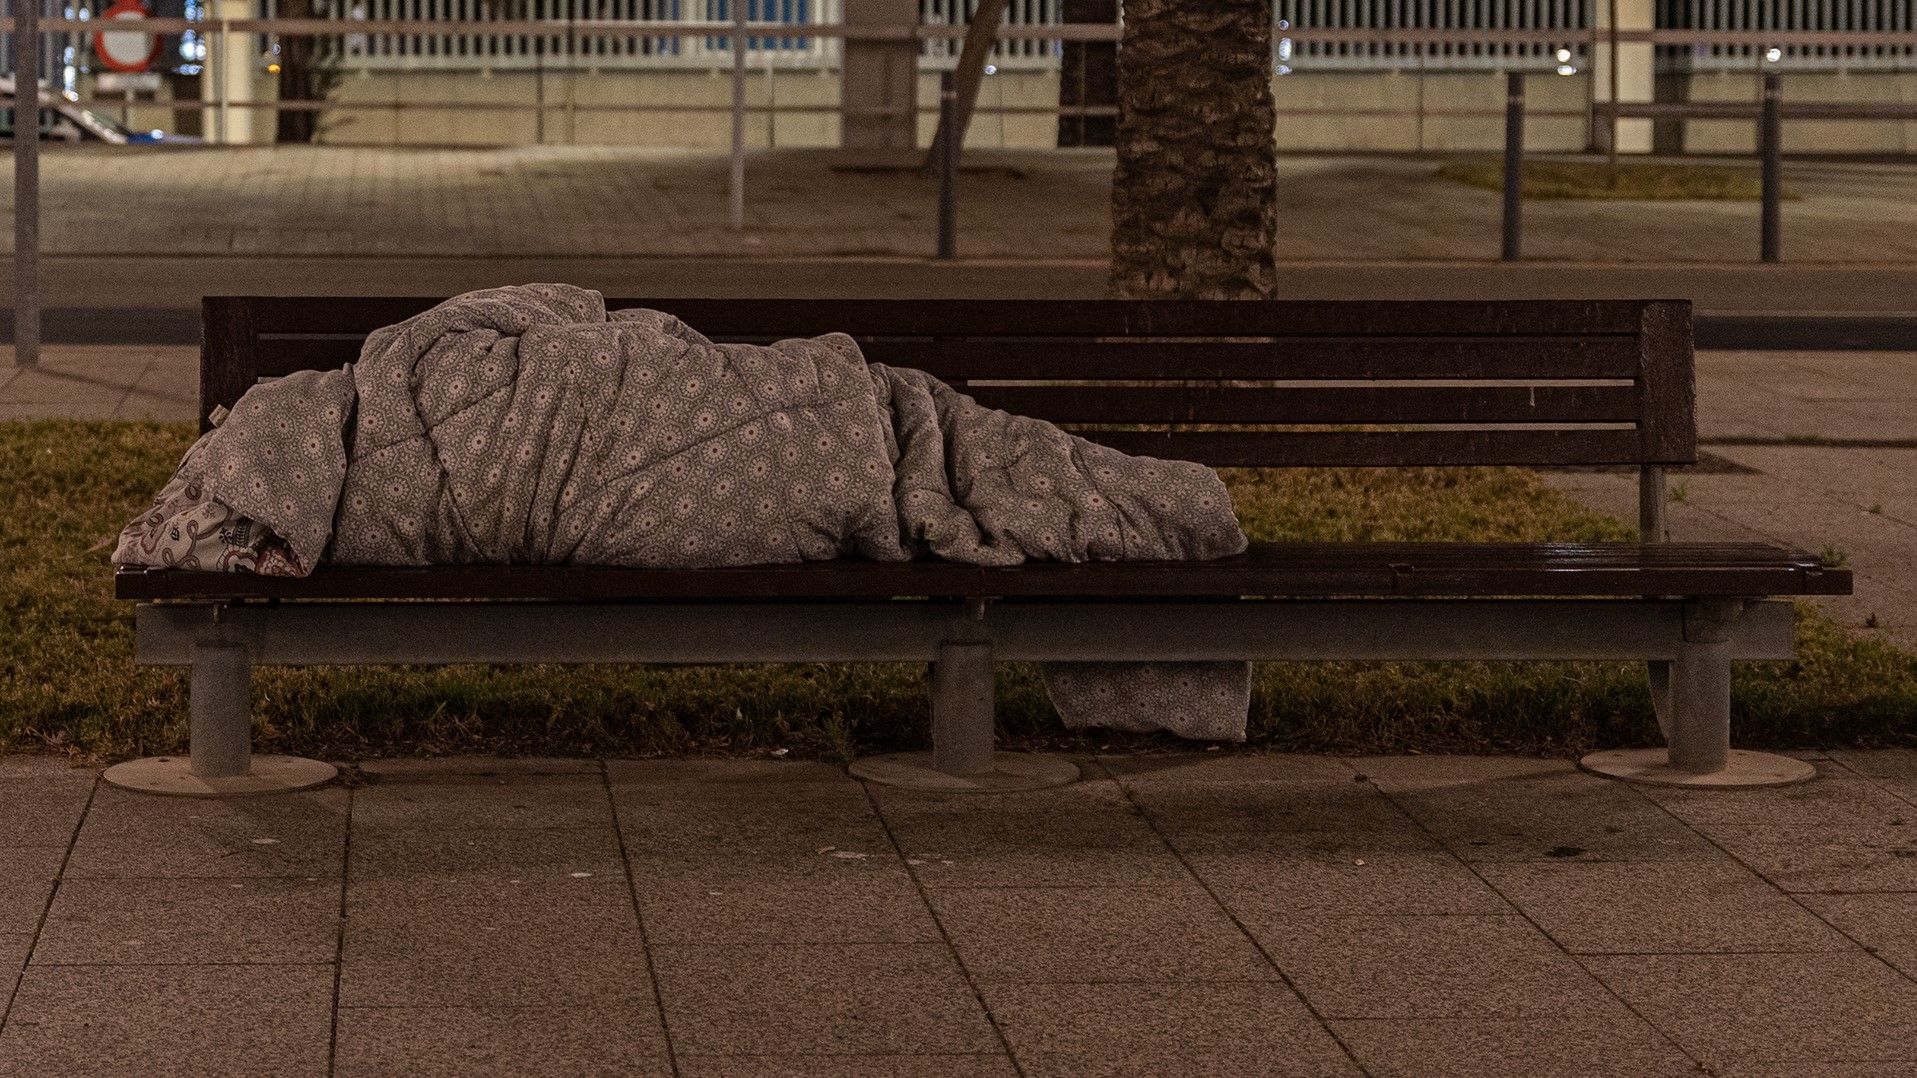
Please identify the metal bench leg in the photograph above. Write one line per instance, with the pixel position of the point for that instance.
(220, 760)
(1693, 700)
(963, 721)
(962, 759)
(220, 702)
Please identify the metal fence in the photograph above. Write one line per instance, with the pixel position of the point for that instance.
(1294, 54)
(1829, 16)
(1311, 35)
(509, 52)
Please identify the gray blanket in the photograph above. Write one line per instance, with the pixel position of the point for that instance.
(529, 425)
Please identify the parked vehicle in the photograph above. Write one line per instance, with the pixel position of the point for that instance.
(63, 120)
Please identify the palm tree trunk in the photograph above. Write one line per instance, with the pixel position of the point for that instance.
(1193, 199)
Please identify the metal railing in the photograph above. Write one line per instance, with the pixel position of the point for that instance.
(1890, 16)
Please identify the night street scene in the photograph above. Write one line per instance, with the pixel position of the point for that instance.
(958, 538)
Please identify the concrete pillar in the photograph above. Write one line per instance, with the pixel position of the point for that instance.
(229, 64)
(880, 74)
(1636, 71)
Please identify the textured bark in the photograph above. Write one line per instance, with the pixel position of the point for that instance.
(1088, 75)
(1193, 198)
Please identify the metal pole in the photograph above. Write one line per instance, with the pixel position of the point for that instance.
(738, 112)
(1513, 163)
(26, 184)
(1770, 145)
(219, 84)
(948, 167)
(539, 89)
(1614, 93)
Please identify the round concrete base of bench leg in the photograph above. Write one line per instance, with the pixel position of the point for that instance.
(172, 775)
(1011, 772)
(1653, 766)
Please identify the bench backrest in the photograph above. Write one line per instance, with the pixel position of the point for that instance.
(1262, 384)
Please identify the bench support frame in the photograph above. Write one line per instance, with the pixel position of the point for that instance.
(1692, 641)
(220, 728)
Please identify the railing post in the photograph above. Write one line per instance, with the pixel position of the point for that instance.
(1513, 164)
(26, 183)
(948, 166)
(1770, 148)
(738, 113)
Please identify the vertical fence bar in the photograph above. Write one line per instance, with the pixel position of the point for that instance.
(1770, 139)
(738, 112)
(948, 167)
(26, 183)
(219, 85)
(1513, 164)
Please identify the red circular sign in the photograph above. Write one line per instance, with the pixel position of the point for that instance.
(126, 50)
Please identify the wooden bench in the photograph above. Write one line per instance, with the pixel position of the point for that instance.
(1279, 384)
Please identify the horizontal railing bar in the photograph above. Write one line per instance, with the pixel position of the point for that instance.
(560, 106)
(1071, 32)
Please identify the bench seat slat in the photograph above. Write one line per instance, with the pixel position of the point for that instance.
(1317, 570)
(1315, 405)
(1372, 449)
(1011, 318)
(1293, 358)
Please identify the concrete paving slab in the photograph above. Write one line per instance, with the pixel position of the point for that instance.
(1619, 1047)
(1279, 818)
(1647, 907)
(1834, 834)
(456, 802)
(793, 819)
(1084, 834)
(903, 1065)
(1544, 815)
(1431, 967)
(1805, 1069)
(41, 799)
(1157, 1028)
(47, 771)
(1094, 934)
(14, 949)
(855, 999)
(395, 895)
(139, 835)
(191, 921)
(705, 778)
(26, 882)
(1771, 1008)
(545, 854)
(166, 392)
(584, 975)
(1269, 890)
(546, 924)
(1223, 768)
(460, 1042)
(175, 1021)
(1883, 924)
(691, 904)
(479, 767)
(1893, 769)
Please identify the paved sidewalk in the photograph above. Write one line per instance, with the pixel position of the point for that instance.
(596, 201)
(1203, 914)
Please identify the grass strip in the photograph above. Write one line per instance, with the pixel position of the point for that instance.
(68, 683)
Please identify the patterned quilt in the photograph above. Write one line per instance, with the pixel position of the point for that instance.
(531, 425)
